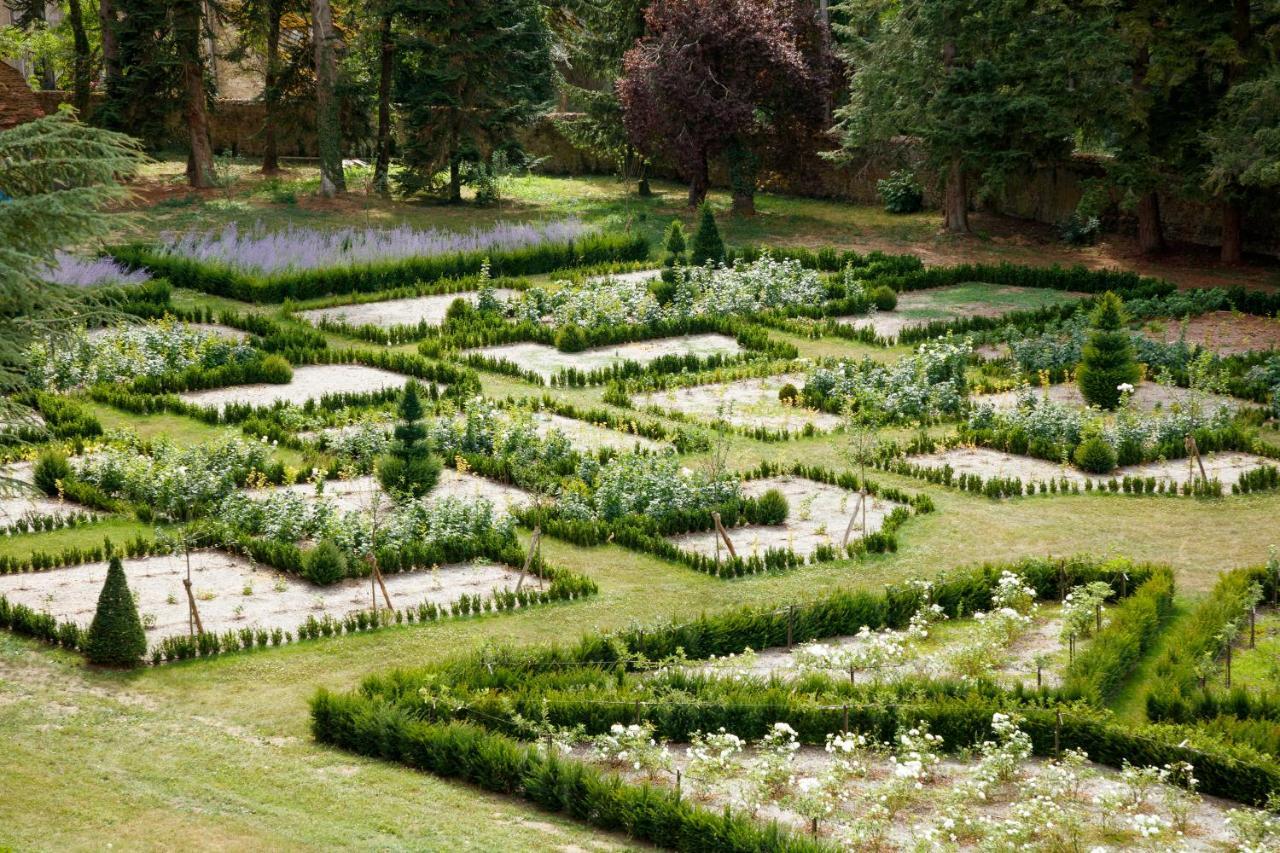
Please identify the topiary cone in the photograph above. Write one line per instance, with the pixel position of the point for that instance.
(706, 244)
(1107, 360)
(116, 637)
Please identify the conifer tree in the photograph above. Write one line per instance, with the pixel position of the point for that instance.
(1108, 359)
(674, 244)
(409, 468)
(706, 244)
(116, 637)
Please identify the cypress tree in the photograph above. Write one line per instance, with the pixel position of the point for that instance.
(675, 244)
(410, 468)
(1108, 357)
(706, 245)
(116, 637)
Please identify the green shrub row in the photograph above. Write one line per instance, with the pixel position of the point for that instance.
(365, 278)
(74, 555)
(46, 523)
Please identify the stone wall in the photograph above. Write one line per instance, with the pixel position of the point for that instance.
(18, 103)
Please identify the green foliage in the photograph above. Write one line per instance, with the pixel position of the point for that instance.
(901, 192)
(706, 244)
(115, 637)
(1244, 141)
(772, 508)
(675, 245)
(1095, 455)
(410, 468)
(885, 298)
(51, 469)
(1108, 359)
(789, 394)
(571, 338)
(276, 370)
(324, 564)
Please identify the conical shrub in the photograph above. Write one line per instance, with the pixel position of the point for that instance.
(706, 245)
(1108, 359)
(116, 637)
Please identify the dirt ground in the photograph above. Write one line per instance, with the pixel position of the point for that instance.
(747, 403)
(592, 437)
(1148, 396)
(1227, 466)
(547, 361)
(921, 307)
(396, 312)
(818, 515)
(310, 382)
(1223, 332)
(232, 592)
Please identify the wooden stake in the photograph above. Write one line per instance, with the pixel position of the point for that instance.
(724, 534)
(791, 624)
(195, 611)
(528, 558)
(861, 507)
(377, 575)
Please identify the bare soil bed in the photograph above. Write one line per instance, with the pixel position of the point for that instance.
(547, 361)
(819, 514)
(310, 382)
(1148, 396)
(1227, 466)
(358, 494)
(593, 437)
(232, 592)
(921, 307)
(1223, 332)
(749, 403)
(397, 312)
(15, 506)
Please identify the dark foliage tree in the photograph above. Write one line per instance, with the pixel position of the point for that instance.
(714, 77)
(468, 77)
(410, 468)
(189, 32)
(115, 637)
(1108, 359)
(327, 43)
(148, 84)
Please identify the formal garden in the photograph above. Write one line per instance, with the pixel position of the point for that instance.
(681, 424)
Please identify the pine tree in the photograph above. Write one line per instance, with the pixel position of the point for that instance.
(409, 468)
(706, 245)
(1108, 359)
(116, 637)
(675, 244)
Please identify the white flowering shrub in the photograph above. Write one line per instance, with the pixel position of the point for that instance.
(916, 755)
(714, 758)
(918, 388)
(1011, 591)
(641, 484)
(869, 651)
(923, 620)
(1080, 608)
(633, 746)
(125, 353)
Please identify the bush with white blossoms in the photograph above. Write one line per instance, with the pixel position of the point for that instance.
(488, 429)
(644, 484)
(421, 523)
(918, 388)
(1080, 608)
(128, 352)
(359, 445)
(714, 758)
(917, 755)
(633, 746)
(869, 651)
(1013, 592)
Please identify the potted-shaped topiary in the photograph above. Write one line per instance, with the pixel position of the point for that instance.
(706, 245)
(409, 468)
(324, 564)
(885, 298)
(1094, 453)
(1108, 361)
(772, 507)
(115, 637)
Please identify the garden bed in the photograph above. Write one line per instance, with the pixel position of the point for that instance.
(1226, 466)
(593, 437)
(309, 382)
(396, 312)
(628, 277)
(231, 592)
(1223, 332)
(921, 307)
(357, 494)
(1148, 396)
(819, 514)
(547, 361)
(229, 333)
(749, 403)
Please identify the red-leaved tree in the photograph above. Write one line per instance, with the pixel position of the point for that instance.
(735, 77)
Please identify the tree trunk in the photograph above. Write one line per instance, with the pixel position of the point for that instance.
(80, 75)
(328, 123)
(110, 45)
(200, 168)
(699, 182)
(1150, 232)
(455, 180)
(1232, 240)
(270, 91)
(743, 169)
(955, 205)
(382, 168)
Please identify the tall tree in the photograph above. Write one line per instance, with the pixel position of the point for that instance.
(468, 77)
(985, 88)
(1244, 152)
(82, 62)
(188, 27)
(328, 116)
(148, 86)
(386, 68)
(712, 76)
(108, 21)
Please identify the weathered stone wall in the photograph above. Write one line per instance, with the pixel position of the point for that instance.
(18, 103)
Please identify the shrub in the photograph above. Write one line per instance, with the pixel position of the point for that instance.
(276, 370)
(50, 468)
(409, 468)
(1095, 455)
(885, 298)
(706, 245)
(116, 637)
(571, 338)
(773, 507)
(1080, 230)
(901, 192)
(674, 244)
(789, 394)
(1107, 360)
(324, 564)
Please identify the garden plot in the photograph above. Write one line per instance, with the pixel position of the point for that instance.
(909, 796)
(359, 493)
(1226, 466)
(232, 592)
(397, 312)
(593, 437)
(547, 361)
(639, 276)
(17, 503)
(1148, 396)
(310, 382)
(921, 307)
(749, 403)
(227, 333)
(1223, 332)
(819, 514)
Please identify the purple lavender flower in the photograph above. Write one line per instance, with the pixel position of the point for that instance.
(74, 271)
(258, 250)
